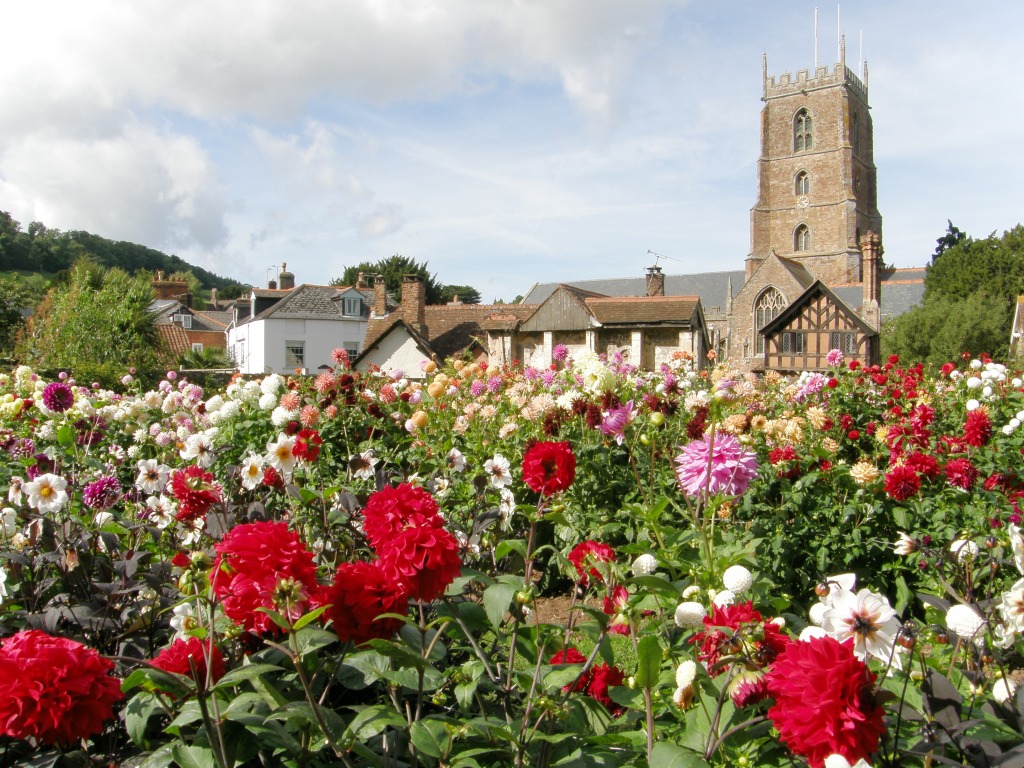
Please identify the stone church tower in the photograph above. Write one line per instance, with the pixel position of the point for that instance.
(816, 201)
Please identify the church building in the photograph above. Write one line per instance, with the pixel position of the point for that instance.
(814, 279)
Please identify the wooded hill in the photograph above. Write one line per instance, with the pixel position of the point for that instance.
(50, 251)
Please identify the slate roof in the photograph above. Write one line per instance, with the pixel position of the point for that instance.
(643, 309)
(306, 302)
(901, 289)
(214, 320)
(711, 287)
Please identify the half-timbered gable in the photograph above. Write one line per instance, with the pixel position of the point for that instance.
(818, 321)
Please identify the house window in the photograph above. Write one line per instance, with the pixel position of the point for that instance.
(352, 350)
(185, 320)
(844, 342)
(803, 136)
(767, 307)
(793, 342)
(295, 354)
(352, 307)
(803, 183)
(197, 347)
(802, 238)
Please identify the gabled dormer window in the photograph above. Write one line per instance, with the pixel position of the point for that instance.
(803, 134)
(352, 307)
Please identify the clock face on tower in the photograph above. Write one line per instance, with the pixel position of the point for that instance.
(802, 201)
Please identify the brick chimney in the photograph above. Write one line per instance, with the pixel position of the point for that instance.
(287, 278)
(380, 297)
(361, 281)
(413, 302)
(213, 298)
(871, 274)
(655, 281)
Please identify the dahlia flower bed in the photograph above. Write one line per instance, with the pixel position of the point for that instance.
(355, 569)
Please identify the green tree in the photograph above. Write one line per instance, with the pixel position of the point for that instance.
(466, 294)
(970, 291)
(394, 268)
(97, 326)
(17, 296)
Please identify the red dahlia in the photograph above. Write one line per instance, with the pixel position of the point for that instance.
(584, 554)
(425, 557)
(961, 473)
(977, 428)
(823, 701)
(549, 467)
(263, 565)
(195, 491)
(359, 594)
(902, 482)
(184, 654)
(307, 445)
(54, 690)
(738, 630)
(390, 510)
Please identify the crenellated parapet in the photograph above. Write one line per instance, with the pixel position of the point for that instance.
(787, 84)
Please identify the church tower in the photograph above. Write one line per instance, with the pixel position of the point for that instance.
(816, 174)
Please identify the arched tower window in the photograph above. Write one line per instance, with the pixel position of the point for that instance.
(802, 238)
(803, 184)
(803, 135)
(767, 307)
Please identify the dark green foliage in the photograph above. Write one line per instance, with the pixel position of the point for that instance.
(466, 294)
(970, 289)
(39, 249)
(99, 325)
(393, 268)
(18, 295)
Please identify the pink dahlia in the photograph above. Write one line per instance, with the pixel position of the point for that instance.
(715, 463)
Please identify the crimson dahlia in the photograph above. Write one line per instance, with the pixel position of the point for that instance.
(549, 467)
(390, 510)
(585, 554)
(977, 428)
(184, 654)
(823, 701)
(307, 445)
(263, 565)
(902, 482)
(54, 690)
(195, 491)
(359, 594)
(738, 629)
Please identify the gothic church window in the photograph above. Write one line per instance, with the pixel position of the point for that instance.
(803, 135)
(803, 184)
(767, 307)
(802, 238)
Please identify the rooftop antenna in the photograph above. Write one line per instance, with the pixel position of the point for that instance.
(657, 256)
(839, 35)
(815, 37)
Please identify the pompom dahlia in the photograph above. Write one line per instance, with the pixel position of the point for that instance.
(389, 510)
(54, 690)
(58, 397)
(715, 463)
(425, 557)
(359, 594)
(549, 467)
(102, 493)
(824, 703)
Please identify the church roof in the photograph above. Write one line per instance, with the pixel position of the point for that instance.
(711, 287)
(816, 287)
(901, 289)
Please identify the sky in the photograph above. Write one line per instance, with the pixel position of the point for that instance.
(503, 142)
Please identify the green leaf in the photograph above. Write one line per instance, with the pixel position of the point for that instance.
(430, 737)
(648, 663)
(505, 546)
(371, 721)
(363, 669)
(140, 708)
(497, 599)
(241, 674)
(307, 618)
(667, 755)
(193, 757)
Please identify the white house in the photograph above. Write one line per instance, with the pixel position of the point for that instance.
(299, 329)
